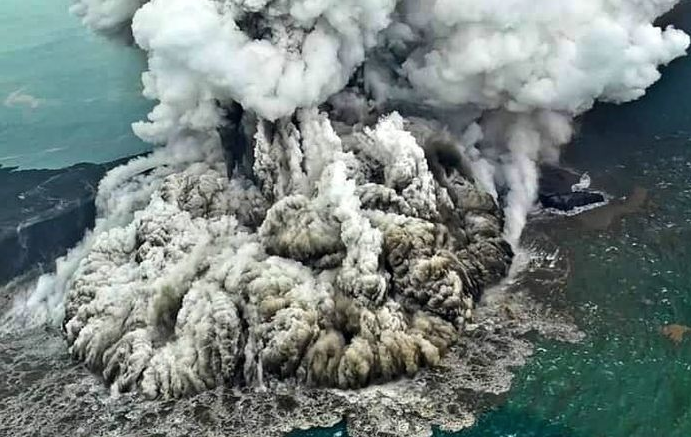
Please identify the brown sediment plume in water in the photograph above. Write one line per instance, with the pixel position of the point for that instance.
(606, 216)
(675, 332)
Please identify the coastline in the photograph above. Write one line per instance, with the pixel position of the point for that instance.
(46, 213)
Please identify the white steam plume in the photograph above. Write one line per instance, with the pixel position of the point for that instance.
(524, 58)
(530, 60)
(521, 57)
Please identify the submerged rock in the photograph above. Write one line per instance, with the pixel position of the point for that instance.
(675, 332)
(612, 213)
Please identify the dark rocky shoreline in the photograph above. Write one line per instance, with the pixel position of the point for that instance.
(555, 190)
(45, 213)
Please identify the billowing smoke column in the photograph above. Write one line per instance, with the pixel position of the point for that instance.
(528, 67)
(345, 262)
(343, 246)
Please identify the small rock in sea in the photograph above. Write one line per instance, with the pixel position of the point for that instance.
(675, 332)
(570, 201)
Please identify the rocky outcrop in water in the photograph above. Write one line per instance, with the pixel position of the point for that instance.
(565, 190)
(571, 201)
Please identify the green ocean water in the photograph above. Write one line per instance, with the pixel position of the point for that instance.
(66, 94)
(625, 379)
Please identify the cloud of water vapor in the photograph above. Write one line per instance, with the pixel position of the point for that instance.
(523, 58)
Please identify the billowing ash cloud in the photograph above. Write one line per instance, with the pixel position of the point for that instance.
(345, 263)
(344, 246)
(537, 63)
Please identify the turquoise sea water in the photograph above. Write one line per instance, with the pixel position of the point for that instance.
(626, 283)
(66, 95)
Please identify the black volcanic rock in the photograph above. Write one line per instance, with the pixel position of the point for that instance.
(44, 213)
(569, 201)
(555, 190)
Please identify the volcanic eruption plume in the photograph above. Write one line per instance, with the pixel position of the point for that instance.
(340, 179)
